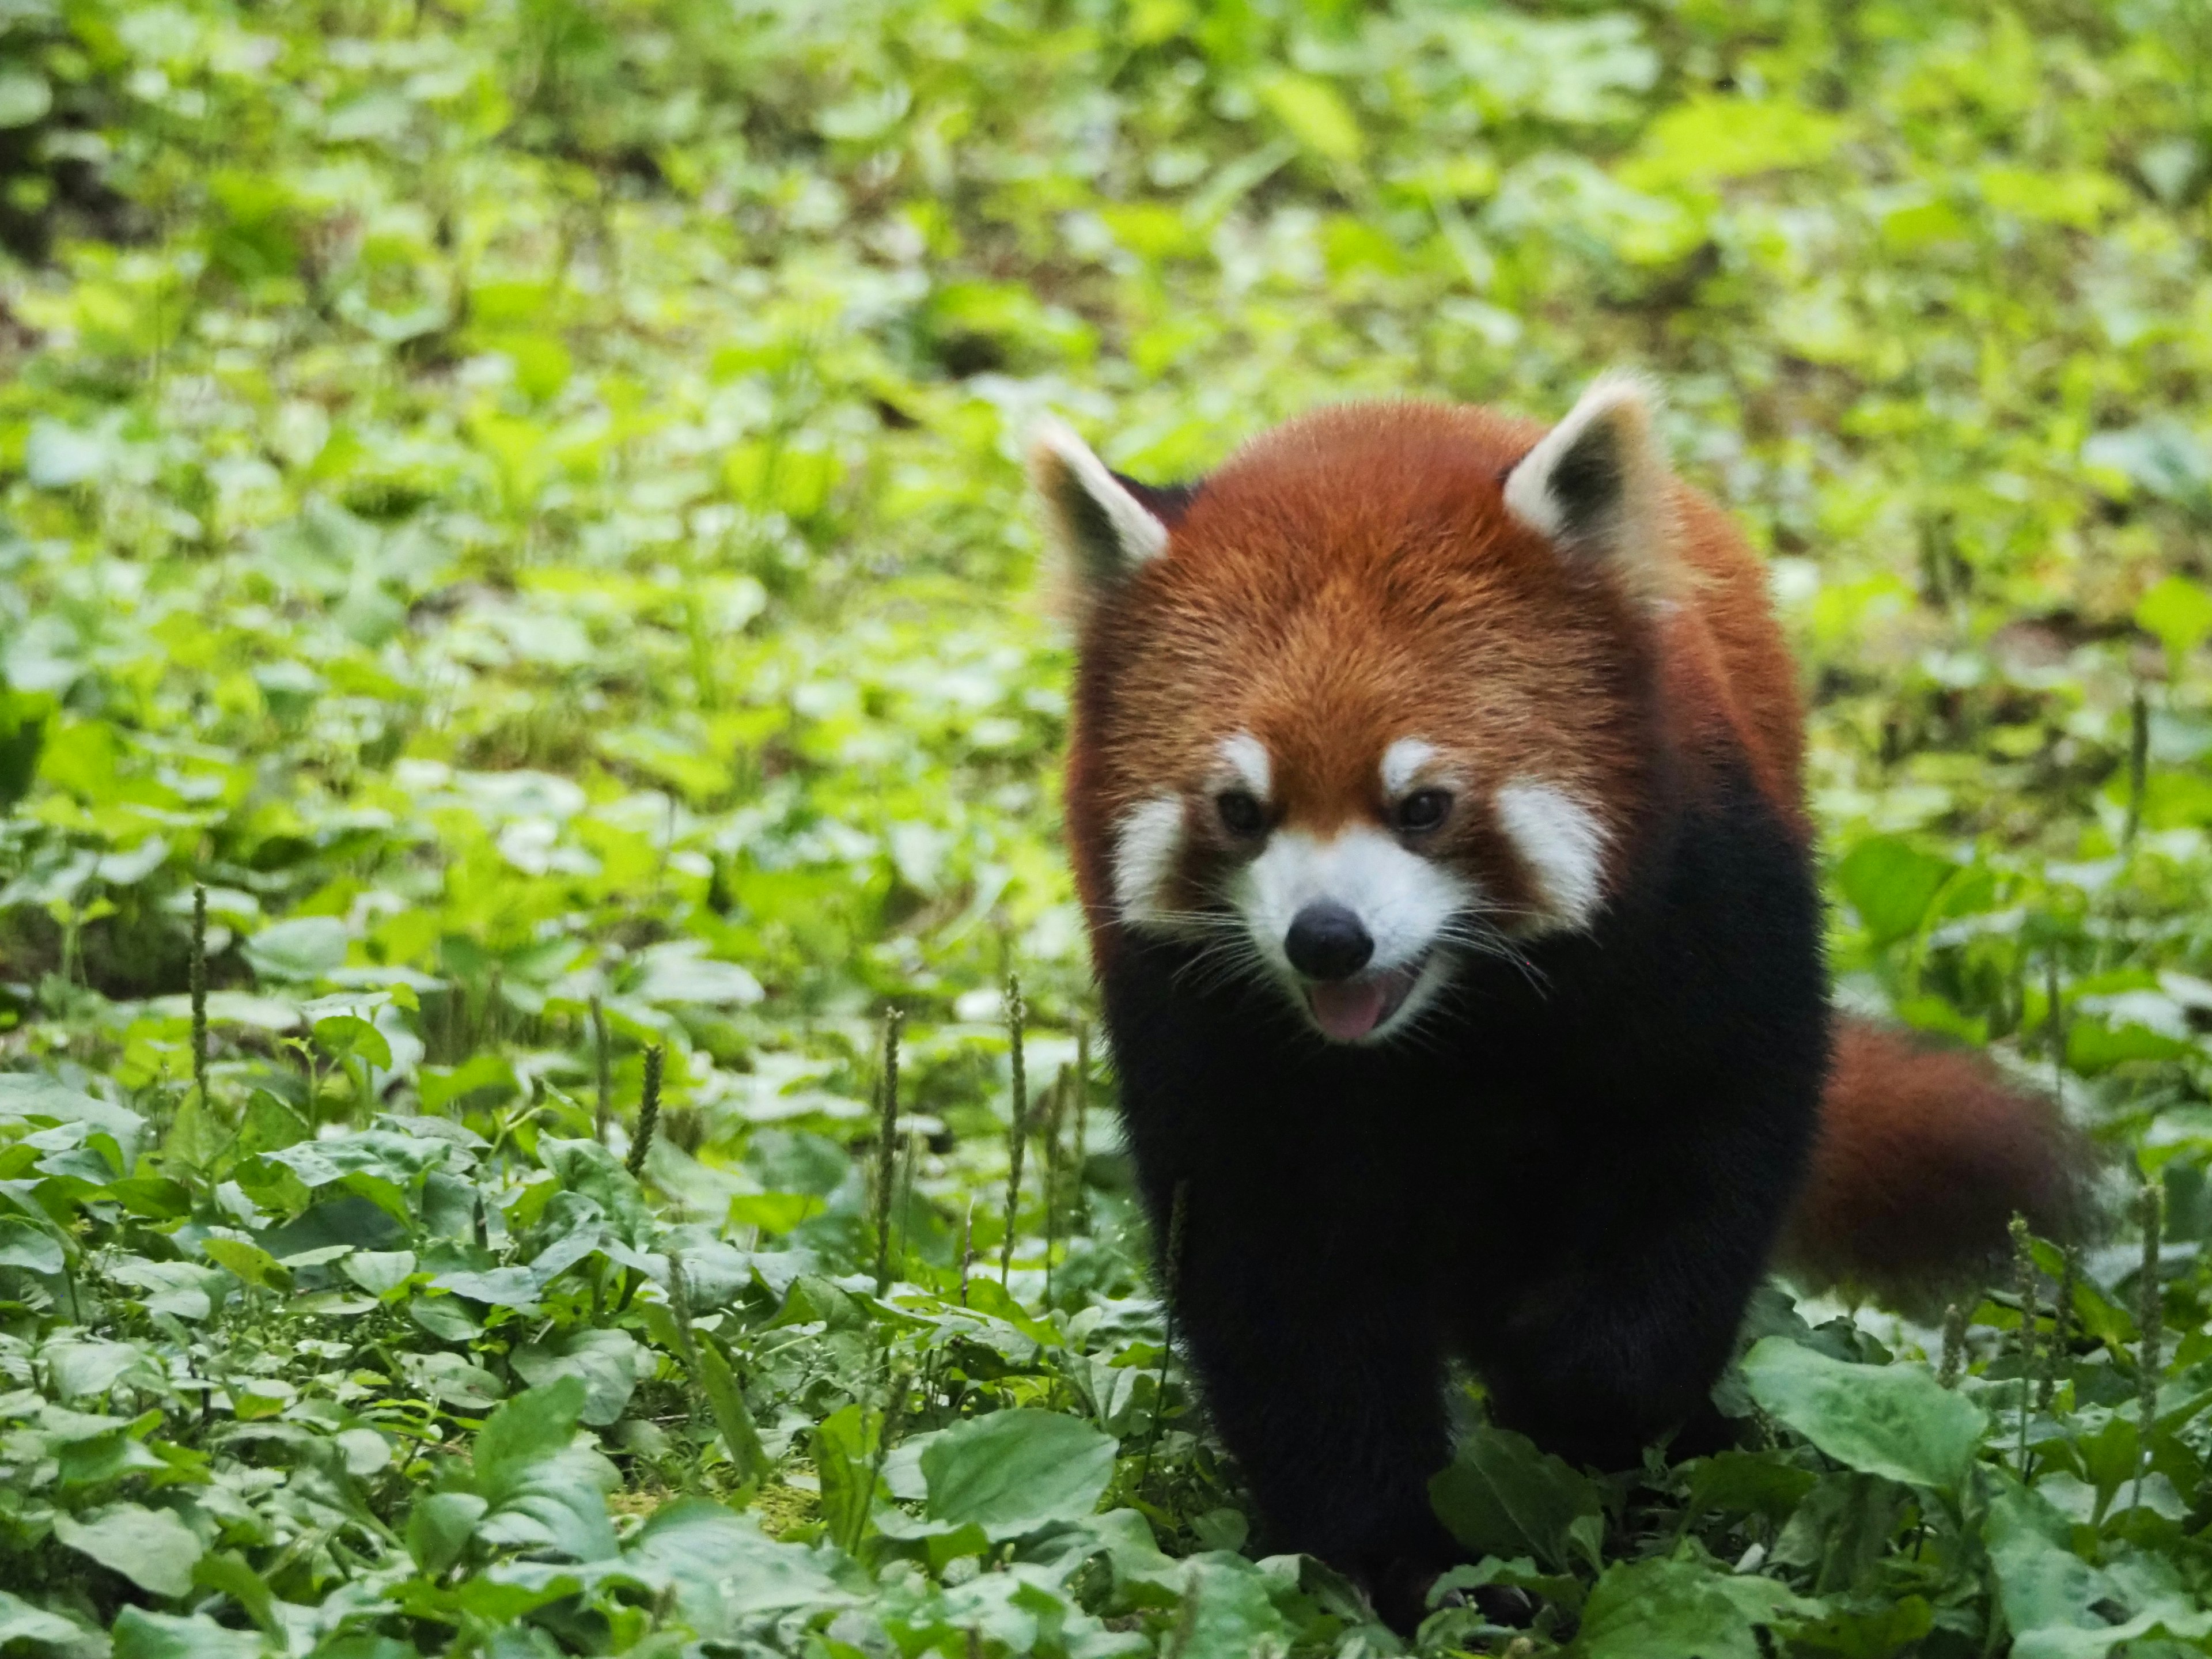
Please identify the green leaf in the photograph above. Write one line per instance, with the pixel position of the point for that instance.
(1662, 1609)
(21, 1622)
(1890, 883)
(25, 97)
(1708, 138)
(1013, 1471)
(24, 717)
(440, 1526)
(844, 1447)
(2179, 612)
(1501, 1496)
(142, 1635)
(150, 1547)
(542, 1495)
(723, 1569)
(379, 1272)
(1315, 113)
(1896, 1421)
(252, 1264)
(604, 1361)
(34, 1094)
(350, 1036)
(76, 1369)
(25, 1245)
(303, 948)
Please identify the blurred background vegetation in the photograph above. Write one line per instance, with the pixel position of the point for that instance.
(519, 499)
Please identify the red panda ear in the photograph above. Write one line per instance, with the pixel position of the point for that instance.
(1104, 526)
(1596, 482)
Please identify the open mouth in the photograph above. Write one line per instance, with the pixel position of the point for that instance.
(1347, 1010)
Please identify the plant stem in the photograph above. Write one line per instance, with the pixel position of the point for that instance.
(2150, 1325)
(887, 1102)
(967, 1248)
(2055, 1023)
(2056, 1353)
(199, 990)
(2138, 762)
(1081, 1151)
(648, 1111)
(1171, 1271)
(1017, 1130)
(1055, 1106)
(603, 1061)
(2023, 1268)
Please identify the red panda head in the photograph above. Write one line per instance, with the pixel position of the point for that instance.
(1373, 699)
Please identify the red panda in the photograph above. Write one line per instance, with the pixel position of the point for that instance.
(1436, 799)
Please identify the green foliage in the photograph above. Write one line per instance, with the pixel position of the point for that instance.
(520, 503)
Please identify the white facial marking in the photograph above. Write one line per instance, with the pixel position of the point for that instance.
(1403, 899)
(1247, 756)
(1402, 762)
(1565, 847)
(1141, 536)
(1144, 849)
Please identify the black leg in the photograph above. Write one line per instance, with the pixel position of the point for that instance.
(1317, 1355)
(1595, 1360)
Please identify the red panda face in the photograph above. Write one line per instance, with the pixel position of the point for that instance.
(1371, 702)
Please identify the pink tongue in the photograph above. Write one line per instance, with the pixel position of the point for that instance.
(1348, 1011)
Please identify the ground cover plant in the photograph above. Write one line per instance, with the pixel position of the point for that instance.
(526, 743)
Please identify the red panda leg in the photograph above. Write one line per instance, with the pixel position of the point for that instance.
(1597, 1362)
(1319, 1362)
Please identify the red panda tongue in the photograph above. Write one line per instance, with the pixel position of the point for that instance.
(1348, 1011)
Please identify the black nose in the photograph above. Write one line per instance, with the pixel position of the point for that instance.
(1325, 941)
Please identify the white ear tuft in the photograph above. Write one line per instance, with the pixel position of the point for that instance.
(1098, 521)
(1596, 482)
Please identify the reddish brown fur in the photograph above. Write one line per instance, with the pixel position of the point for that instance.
(1923, 1156)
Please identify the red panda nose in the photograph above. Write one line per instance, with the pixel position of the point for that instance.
(1328, 942)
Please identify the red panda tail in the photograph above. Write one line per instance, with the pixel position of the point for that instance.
(1923, 1156)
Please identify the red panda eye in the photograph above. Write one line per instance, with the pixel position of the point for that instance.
(1241, 813)
(1425, 809)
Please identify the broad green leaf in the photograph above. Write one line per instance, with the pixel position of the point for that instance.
(1890, 883)
(1315, 113)
(24, 1245)
(19, 1621)
(723, 1568)
(165, 1635)
(77, 1369)
(379, 1272)
(606, 1362)
(2179, 612)
(1895, 1421)
(142, 1635)
(1501, 1496)
(542, 1495)
(252, 1264)
(34, 1094)
(351, 1035)
(440, 1526)
(152, 1548)
(1708, 138)
(1663, 1609)
(25, 97)
(303, 948)
(1012, 1471)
